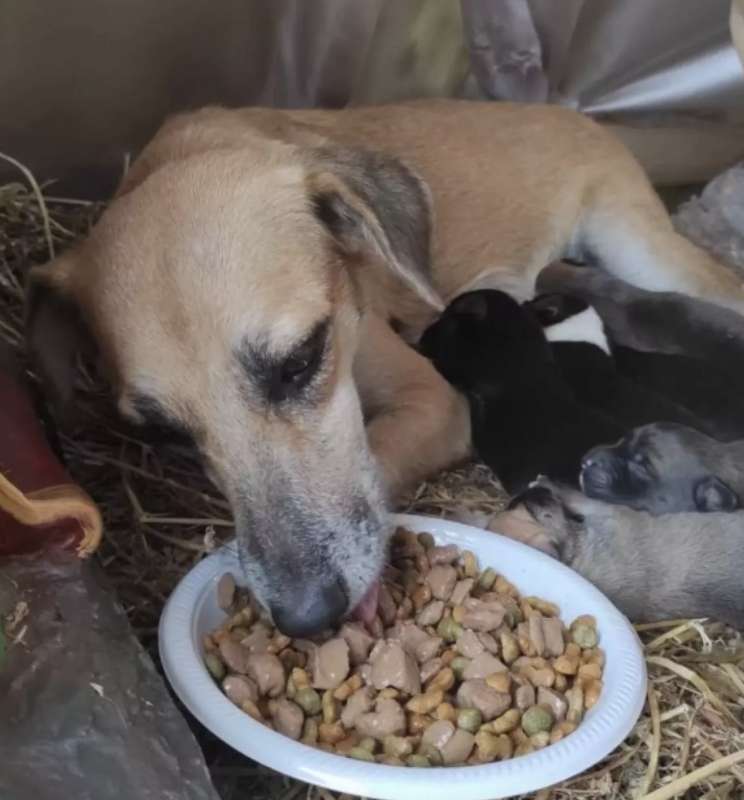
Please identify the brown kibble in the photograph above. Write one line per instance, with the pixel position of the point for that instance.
(417, 724)
(251, 709)
(359, 703)
(500, 681)
(524, 749)
(329, 707)
(469, 563)
(446, 711)
(288, 718)
(300, 678)
(458, 614)
(561, 683)
(592, 692)
(509, 647)
(566, 665)
(346, 745)
(535, 628)
(506, 723)
(553, 635)
(561, 730)
(543, 606)
(425, 703)
(575, 697)
(524, 697)
(331, 733)
(540, 740)
(398, 746)
(421, 596)
(590, 672)
(348, 687)
(234, 655)
(390, 693)
(491, 748)
(444, 680)
(539, 676)
(503, 586)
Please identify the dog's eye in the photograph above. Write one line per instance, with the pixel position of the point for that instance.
(300, 366)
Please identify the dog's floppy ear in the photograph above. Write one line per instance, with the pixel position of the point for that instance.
(374, 205)
(55, 332)
(712, 494)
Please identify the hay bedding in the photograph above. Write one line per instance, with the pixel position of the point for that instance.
(162, 516)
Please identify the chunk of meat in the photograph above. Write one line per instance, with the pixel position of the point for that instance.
(482, 616)
(268, 673)
(288, 718)
(238, 688)
(553, 635)
(482, 666)
(388, 719)
(234, 655)
(441, 580)
(395, 667)
(329, 664)
(358, 640)
(458, 748)
(415, 641)
(431, 613)
(359, 703)
(438, 734)
(469, 644)
(556, 702)
(478, 694)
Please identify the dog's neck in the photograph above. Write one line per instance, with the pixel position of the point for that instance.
(583, 327)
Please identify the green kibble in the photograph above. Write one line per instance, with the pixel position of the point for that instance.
(536, 719)
(397, 746)
(215, 666)
(426, 540)
(487, 579)
(432, 755)
(361, 754)
(417, 760)
(458, 665)
(449, 630)
(308, 700)
(585, 636)
(469, 719)
(368, 743)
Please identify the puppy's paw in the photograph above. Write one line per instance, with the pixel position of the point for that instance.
(518, 523)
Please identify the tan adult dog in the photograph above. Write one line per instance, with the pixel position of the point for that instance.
(246, 282)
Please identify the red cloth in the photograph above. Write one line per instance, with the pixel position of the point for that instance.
(40, 506)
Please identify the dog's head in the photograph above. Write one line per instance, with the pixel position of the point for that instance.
(661, 468)
(225, 291)
(485, 339)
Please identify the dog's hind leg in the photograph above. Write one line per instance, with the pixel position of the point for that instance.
(626, 228)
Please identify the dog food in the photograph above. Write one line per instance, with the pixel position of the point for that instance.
(457, 667)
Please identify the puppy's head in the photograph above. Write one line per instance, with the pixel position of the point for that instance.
(483, 340)
(660, 468)
(225, 291)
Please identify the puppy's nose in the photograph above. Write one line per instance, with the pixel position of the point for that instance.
(595, 468)
(308, 610)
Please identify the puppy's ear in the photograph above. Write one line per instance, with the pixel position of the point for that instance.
(55, 332)
(712, 494)
(374, 206)
(471, 304)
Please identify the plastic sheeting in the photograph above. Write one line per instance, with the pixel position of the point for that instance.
(84, 713)
(79, 90)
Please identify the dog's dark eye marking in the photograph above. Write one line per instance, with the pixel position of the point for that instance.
(157, 423)
(285, 376)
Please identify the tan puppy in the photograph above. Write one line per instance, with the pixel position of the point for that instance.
(246, 281)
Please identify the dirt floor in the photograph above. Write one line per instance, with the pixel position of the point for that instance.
(162, 516)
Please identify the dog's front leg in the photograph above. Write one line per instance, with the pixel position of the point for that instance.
(417, 424)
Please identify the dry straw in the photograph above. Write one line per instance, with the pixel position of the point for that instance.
(162, 516)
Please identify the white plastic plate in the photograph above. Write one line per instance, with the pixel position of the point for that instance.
(192, 611)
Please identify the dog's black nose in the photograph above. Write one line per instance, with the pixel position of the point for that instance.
(310, 609)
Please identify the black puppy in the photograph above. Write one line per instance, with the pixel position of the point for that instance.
(526, 421)
(583, 353)
(680, 347)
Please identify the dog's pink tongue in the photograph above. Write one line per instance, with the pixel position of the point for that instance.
(367, 608)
